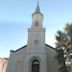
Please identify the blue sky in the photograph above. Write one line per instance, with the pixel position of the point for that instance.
(16, 18)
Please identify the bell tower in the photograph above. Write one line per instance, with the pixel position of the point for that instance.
(36, 34)
(37, 17)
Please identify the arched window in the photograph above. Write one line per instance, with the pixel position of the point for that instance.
(36, 24)
(35, 66)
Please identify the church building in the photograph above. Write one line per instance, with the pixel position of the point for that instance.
(36, 56)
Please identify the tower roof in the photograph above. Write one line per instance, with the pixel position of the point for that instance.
(37, 9)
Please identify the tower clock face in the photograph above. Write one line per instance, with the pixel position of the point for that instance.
(36, 42)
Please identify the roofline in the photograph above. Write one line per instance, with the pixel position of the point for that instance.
(26, 46)
(37, 13)
(51, 47)
(4, 59)
(18, 49)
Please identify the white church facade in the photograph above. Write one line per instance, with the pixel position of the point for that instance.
(36, 56)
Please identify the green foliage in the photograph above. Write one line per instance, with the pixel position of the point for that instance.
(61, 61)
(64, 42)
(64, 39)
(59, 56)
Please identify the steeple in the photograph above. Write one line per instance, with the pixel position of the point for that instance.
(37, 8)
(36, 34)
(37, 18)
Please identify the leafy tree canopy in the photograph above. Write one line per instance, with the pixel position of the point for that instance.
(64, 42)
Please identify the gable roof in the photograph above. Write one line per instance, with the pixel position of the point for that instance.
(6, 59)
(26, 46)
(18, 49)
(51, 47)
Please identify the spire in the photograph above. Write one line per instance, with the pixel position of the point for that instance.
(37, 8)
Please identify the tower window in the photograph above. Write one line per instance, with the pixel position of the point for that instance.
(36, 24)
(35, 66)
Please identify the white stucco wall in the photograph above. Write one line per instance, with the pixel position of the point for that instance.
(21, 60)
(52, 62)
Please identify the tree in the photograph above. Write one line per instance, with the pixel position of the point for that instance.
(61, 61)
(64, 42)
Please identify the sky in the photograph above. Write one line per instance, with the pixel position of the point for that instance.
(16, 18)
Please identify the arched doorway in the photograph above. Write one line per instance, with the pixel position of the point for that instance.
(35, 66)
